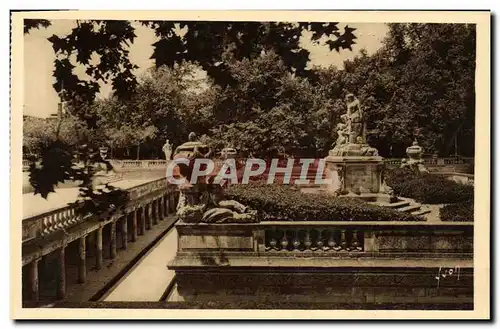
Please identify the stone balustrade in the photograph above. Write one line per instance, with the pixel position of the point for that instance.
(49, 234)
(162, 164)
(325, 262)
(48, 223)
(321, 239)
(139, 164)
(325, 238)
(63, 218)
(392, 162)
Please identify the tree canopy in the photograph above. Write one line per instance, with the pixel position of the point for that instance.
(211, 45)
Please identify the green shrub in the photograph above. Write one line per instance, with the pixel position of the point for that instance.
(428, 188)
(286, 203)
(458, 212)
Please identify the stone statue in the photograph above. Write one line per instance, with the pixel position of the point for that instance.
(351, 132)
(167, 149)
(342, 137)
(414, 153)
(355, 119)
(204, 201)
(102, 166)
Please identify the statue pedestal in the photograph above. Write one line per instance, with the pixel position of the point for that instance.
(357, 176)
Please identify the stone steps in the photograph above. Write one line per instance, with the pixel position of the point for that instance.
(411, 208)
(396, 205)
(421, 212)
(405, 205)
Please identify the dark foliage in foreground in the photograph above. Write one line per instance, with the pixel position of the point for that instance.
(285, 203)
(458, 212)
(428, 188)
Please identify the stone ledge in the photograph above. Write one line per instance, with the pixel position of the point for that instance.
(332, 262)
(460, 304)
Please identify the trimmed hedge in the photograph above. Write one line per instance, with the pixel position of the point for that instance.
(458, 212)
(428, 188)
(286, 203)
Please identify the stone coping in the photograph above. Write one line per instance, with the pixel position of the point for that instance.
(286, 260)
(354, 159)
(384, 224)
(463, 303)
(35, 204)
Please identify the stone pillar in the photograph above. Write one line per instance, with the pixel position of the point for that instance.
(160, 208)
(166, 205)
(33, 281)
(154, 212)
(143, 220)
(149, 216)
(134, 225)
(112, 242)
(82, 266)
(125, 231)
(98, 248)
(61, 279)
(172, 202)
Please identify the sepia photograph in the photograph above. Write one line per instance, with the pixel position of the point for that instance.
(179, 163)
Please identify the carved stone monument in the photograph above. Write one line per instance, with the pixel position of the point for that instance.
(167, 149)
(103, 169)
(203, 201)
(355, 167)
(414, 160)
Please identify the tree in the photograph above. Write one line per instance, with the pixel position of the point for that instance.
(420, 84)
(435, 73)
(39, 132)
(208, 44)
(268, 110)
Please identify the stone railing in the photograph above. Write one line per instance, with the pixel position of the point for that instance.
(458, 177)
(326, 262)
(434, 161)
(326, 237)
(48, 223)
(139, 164)
(321, 239)
(63, 218)
(162, 164)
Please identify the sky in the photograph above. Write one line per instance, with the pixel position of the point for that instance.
(40, 98)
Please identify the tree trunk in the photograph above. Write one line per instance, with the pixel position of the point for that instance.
(138, 150)
(450, 142)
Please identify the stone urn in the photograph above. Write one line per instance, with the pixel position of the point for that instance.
(190, 150)
(414, 152)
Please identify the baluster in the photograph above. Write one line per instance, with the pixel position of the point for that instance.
(284, 241)
(343, 240)
(52, 223)
(71, 217)
(332, 244)
(296, 240)
(64, 219)
(271, 242)
(307, 240)
(48, 224)
(57, 221)
(319, 241)
(355, 241)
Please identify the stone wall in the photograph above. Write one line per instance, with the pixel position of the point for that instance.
(394, 262)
